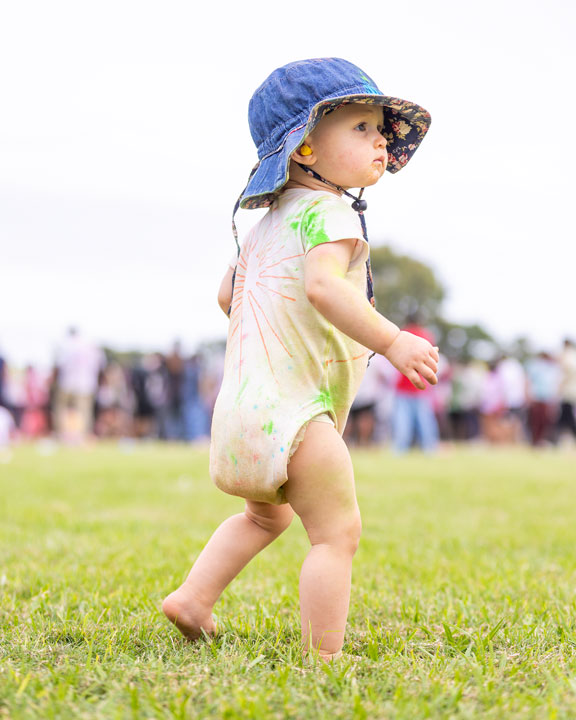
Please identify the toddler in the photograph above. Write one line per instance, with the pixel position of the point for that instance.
(302, 327)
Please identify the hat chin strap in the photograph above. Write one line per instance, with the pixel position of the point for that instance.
(359, 205)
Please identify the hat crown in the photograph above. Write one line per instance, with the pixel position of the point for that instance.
(285, 99)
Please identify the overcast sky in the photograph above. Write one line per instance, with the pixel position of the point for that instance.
(124, 143)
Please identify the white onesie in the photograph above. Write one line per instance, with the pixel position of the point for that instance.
(285, 362)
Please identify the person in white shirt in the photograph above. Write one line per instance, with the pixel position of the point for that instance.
(79, 363)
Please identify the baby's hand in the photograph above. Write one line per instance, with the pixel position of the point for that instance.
(414, 357)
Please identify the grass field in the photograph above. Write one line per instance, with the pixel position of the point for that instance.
(463, 598)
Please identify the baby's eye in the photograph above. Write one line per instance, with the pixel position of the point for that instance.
(361, 126)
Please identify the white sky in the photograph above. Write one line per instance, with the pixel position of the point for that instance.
(124, 143)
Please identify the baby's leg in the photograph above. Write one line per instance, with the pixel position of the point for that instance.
(320, 488)
(230, 548)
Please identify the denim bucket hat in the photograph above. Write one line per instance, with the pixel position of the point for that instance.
(291, 102)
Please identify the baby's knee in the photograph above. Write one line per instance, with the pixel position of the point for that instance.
(343, 533)
(274, 519)
(351, 532)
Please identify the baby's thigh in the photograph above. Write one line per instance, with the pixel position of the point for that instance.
(320, 486)
(274, 518)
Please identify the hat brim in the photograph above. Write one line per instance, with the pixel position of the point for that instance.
(405, 125)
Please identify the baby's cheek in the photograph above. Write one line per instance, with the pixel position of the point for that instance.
(349, 157)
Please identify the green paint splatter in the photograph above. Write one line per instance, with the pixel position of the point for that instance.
(294, 221)
(325, 399)
(241, 391)
(313, 230)
(268, 427)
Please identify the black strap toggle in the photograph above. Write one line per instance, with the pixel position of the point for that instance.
(359, 205)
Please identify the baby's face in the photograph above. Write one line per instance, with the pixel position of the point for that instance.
(348, 148)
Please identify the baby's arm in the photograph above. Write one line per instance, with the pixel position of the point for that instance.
(348, 309)
(225, 291)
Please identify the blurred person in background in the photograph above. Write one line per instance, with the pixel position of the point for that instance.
(144, 419)
(386, 376)
(51, 393)
(359, 428)
(468, 378)
(195, 413)
(79, 364)
(15, 392)
(492, 406)
(514, 386)
(456, 411)
(475, 373)
(567, 390)
(543, 379)
(114, 403)
(413, 419)
(7, 431)
(35, 416)
(441, 396)
(2, 369)
(157, 392)
(174, 420)
(212, 378)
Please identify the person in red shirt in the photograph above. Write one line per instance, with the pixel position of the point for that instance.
(413, 418)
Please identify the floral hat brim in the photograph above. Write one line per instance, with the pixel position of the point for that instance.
(405, 125)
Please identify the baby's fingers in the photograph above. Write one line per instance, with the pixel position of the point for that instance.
(431, 363)
(428, 374)
(416, 380)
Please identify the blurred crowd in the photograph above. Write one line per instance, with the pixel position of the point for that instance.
(90, 394)
(502, 401)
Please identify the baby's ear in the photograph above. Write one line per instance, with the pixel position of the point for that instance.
(304, 155)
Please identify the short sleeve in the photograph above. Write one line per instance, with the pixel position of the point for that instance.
(328, 219)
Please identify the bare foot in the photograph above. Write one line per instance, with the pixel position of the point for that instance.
(189, 616)
(312, 656)
(330, 657)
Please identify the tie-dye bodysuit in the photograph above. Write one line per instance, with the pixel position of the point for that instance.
(285, 362)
